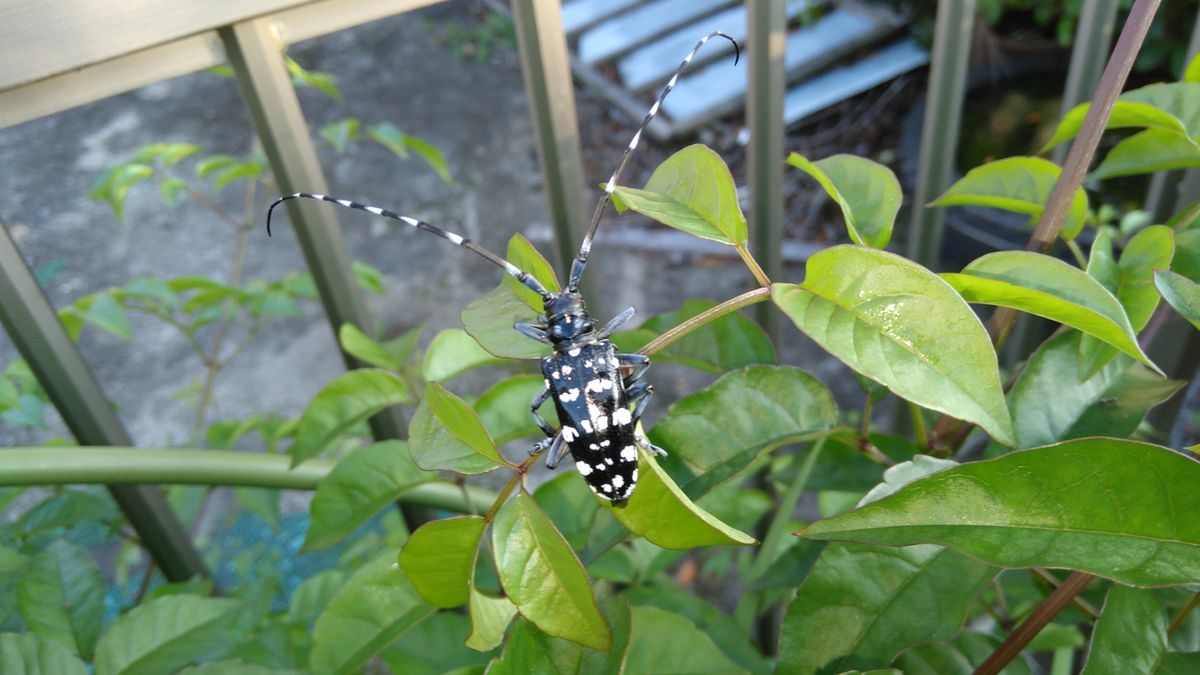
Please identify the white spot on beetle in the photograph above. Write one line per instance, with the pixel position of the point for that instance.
(629, 454)
(606, 487)
(633, 477)
(600, 467)
(599, 384)
(587, 364)
(569, 434)
(622, 416)
(605, 444)
(617, 481)
(587, 426)
(608, 461)
(593, 446)
(569, 395)
(555, 375)
(567, 370)
(584, 469)
(601, 423)
(573, 352)
(546, 382)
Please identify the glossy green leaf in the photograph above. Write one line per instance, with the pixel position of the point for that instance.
(691, 191)
(61, 597)
(375, 606)
(1050, 404)
(1181, 293)
(1125, 114)
(439, 558)
(900, 325)
(213, 163)
(1063, 506)
(447, 434)
(960, 656)
(1147, 152)
(862, 605)
(720, 430)
(728, 343)
(490, 318)
(529, 650)
(30, 654)
(1018, 184)
(434, 647)
(1050, 288)
(239, 171)
(262, 502)
(542, 576)
(452, 353)
(569, 503)
(236, 667)
(724, 630)
(665, 642)
(312, 595)
(504, 408)
(1187, 254)
(490, 616)
(361, 485)
(1130, 636)
(365, 349)
(523, 254)
(867, 192)
(659, 511)
(166, 634)
(343, 403)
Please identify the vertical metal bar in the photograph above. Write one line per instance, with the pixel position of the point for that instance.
(34, 327)
(256, 54)
(547, 72)
(766, 41)
(1093, 38)
(939, 131)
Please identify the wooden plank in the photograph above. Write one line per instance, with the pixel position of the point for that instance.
(841, 83)
(583, 14)
(654, 63)
(719, 88)
(627, 31)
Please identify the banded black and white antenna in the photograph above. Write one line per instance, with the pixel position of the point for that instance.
(585, 248)
(526, 279)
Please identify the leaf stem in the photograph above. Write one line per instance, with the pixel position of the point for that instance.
(919, 427)
(711, 314)
(1177, 622)
(755, 268)
(1037, 620)
(1078, 253)
(1188, 218)
(866, 417)
(778, 529)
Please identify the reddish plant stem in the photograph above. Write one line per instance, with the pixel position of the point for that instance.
(1031, 626)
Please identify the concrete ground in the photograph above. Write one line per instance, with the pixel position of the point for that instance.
(402, 70)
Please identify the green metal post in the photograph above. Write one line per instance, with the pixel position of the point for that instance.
(256, 54)
(939, 131)
(547, 71)
(34, 327)
(766, 31)
(1093, 39)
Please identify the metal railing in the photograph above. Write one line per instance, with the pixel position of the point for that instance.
(55, 56)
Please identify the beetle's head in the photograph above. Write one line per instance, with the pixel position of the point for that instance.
(566, 317)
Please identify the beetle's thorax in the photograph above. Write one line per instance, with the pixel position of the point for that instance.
(567, 320)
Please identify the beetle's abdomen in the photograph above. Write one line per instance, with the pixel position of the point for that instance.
(597, 425)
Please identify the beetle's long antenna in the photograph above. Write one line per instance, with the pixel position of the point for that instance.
(586, 247)
(516, 272)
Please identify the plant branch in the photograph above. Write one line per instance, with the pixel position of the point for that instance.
(711, 314)
(755, 268)
(1182, 616)
(1031, 626)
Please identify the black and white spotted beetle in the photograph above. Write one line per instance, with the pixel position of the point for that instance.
(583, 375)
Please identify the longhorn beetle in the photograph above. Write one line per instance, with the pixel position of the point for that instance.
(583, 375)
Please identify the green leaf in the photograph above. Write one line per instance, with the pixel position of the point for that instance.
(375, 606)
(663, 514)
(341, 133)
(957, 657)
(1181, 293)
(387, 135)
(490, 318)
(262, 502)
(1050, 288)
(214, 163)
(164, 635)
(529, 650)
(323, 82)
(774, 405)
(1125, 114)
(1050, 404)
(29, 412)
(114, 185)
(452, 353)
(724, 631)
(235, 667)
(569, 503)
(369, 278)
(861, 605)
(1064, 506)
(239, 171)
(692, 191)
(357, 344)
(1192, 72)
(35, 655)
(341, 404)
(867, 192)
(523, 254)
(1130, 636)
(362, 484)
(104, 312)
(447, 434)
(66, 510)
(439, 558)
(1147, 152)
(504, 408)
(312, 595)
(490, 616)
(665, 642)
(542, 576)
(1018, 184)
(61, 597)
(728, 343)
(900, 325)
(434, 647)
(170, 188)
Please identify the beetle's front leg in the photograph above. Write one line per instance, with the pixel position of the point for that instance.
(639, 395)
(638, 362)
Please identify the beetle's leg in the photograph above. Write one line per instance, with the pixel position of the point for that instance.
(531, 331)
(638, 362)
(533, 410)
(554, 444)
(615, 323)
(557, 449)
(648, 446)
(639, 394)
